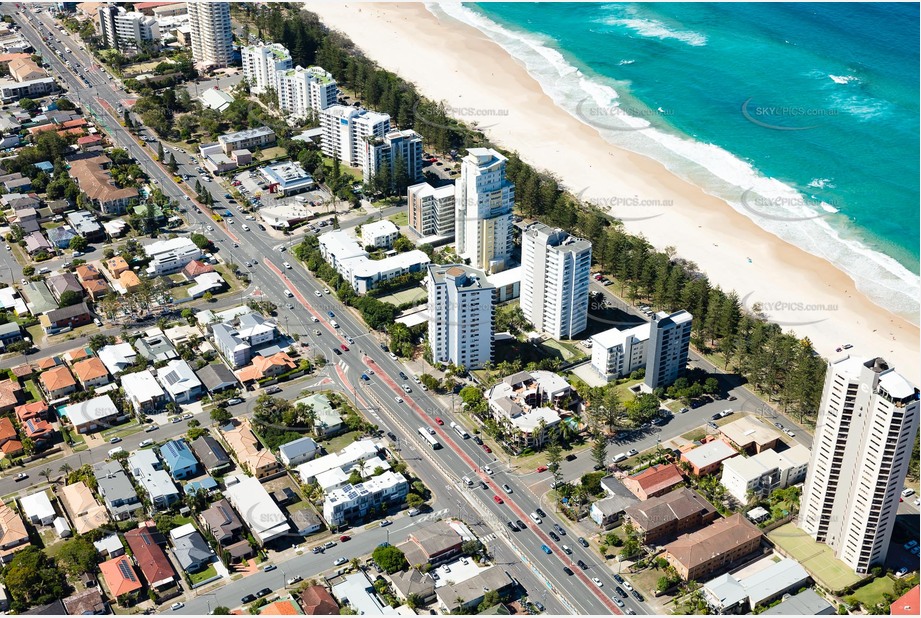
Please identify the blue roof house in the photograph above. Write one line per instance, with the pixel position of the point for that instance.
(180, 459)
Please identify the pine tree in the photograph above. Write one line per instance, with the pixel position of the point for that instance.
(159, 151)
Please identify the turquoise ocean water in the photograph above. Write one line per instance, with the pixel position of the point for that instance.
(803, 117)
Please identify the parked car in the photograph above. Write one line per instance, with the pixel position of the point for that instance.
(248, 599)
(620, 591)
(554, 536)
(582, 541)
(344, 538)
(339, 561)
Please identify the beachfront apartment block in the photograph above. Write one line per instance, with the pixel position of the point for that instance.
(667, 355)
(397, 156)
(170, 256)
(759, 475)
(483, 210)
(461, 315)
(211, 33)
(345, 130)
(379, 234)
(868, 421)
(121, 29)
(617, 353)
(262, 65)
(554, 284)
(303, 93)
(352, 262)
(431, 210)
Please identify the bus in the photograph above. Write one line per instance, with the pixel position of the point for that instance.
(460, 430)
(429, 438)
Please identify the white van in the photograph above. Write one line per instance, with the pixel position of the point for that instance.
(289, 294)
(535, 518)
(334, 323)
(620, 457)
(467, 482)
(113, 452)
(245, 227)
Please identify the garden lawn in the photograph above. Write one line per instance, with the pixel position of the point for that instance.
(872, 593)
(341, 441)
(203, 575)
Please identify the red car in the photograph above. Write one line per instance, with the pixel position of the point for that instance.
(344, 538)
(344, 348)
(439, 421)
(542, 468)
(497, 500)
(487, 449)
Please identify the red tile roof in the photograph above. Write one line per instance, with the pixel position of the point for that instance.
(120, 576)
(317, 601)
(150, 557)
(656, 478)
(7, 431)
(36, 409)
(908, 604)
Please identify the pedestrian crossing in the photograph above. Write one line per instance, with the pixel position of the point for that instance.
(434, 516)
(488, 537)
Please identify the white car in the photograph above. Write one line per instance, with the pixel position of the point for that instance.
(339, 561)
(286, 265)
(488, 470)
(392, 355)
(398, 399)
(176, 606)
(627, 586)
(144, 443)
(598, 582)
(318, 294)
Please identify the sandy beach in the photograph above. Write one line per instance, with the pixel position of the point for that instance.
(455, 63)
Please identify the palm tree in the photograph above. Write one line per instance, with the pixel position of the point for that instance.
(355, 564)
(66, 469)
(47, 474)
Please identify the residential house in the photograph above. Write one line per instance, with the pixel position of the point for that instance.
(327, 422)
(298, 451)
(179, 459)
(36, 242)
(40, 432)
(191, 550)
(608, 511)
(305, 522)
(713, 548)
(317, 601)
(66, 317)
(413, 582)
(143, 392)
(669, 515)
(92, 415)
(117, 357)
(60, 237)
(129, 281)
(196, 268)
(254, 504)
(282, 607)
(750, 434)
(96, 289)
(170, 256)
(37, 410)
(468, 594)
(91, 372)
(85, 512)
(146, 547)
(737, 593)
(10, 395)
(217, 378)
(708, 457)
(109, 546)
(117, 265)
(433, 543)
(356, 591)
(14, 536)
(9, 333)
(146, 468)
(809, 603)
(223, 523)
(267, 367)
(87, 272)
(120, 577)
(85, 224)
(116, 490)
(237, 345)
(154, 346)
(10, 444)
(654, 481)
(250, 453)
(57, 383)
(211, 454)
(38, 509)
(180, 382)
(86, 603)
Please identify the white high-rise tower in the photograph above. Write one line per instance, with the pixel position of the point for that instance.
(212, 37)
(461, 314)
(863, 441)
(554, 285)
(483, 218)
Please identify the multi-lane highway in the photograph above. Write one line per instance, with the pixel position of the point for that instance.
(527, 561)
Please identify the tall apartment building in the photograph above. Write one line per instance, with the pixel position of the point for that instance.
(867, 425)
(384, 152)
(212, 38)
(483, 216)
(554, 285)
(431, 210)
(667, 354)
(617, 353)
(305, 92)
(262, 65)
(122, 29)
(461, 314)
(345, 130)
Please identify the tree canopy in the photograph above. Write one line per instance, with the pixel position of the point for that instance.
(389, 558)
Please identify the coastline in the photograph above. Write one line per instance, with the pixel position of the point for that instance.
(819, 301)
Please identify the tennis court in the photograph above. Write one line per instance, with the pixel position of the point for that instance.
(817, 558)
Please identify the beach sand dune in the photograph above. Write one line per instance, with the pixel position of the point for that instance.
(452, 62)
